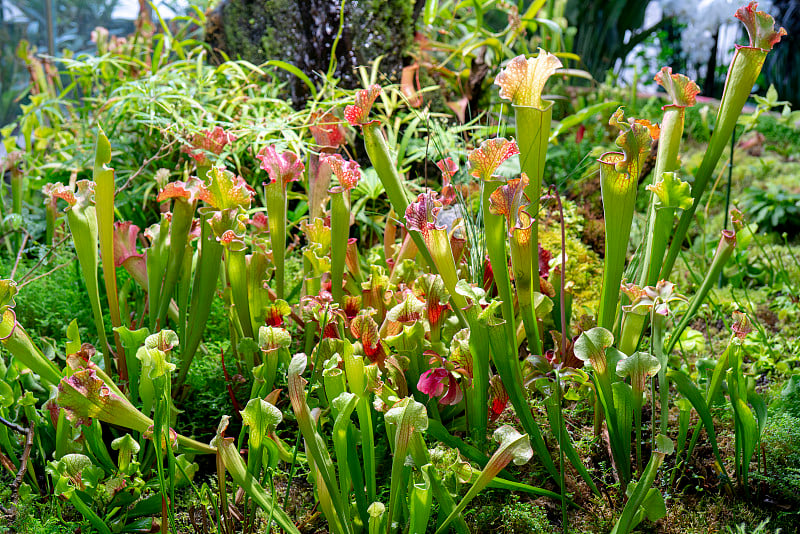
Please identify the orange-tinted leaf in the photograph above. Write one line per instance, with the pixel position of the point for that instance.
(523, 79)
(358, 113)
(485, 160)
(760, 27)
(681, 89)
(284, 167)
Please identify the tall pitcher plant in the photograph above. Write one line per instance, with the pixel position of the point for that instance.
(522, 82)
(742, 74)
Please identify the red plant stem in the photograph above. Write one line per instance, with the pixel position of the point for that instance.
(236, 406)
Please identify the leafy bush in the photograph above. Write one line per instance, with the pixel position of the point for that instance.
(518, 518)
(773, 208)
(789, 400)
(781, 442)
(513, 517)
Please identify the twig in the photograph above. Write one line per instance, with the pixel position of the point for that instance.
(43, 258)
(13, 426)
(161, 153)
(51, 271)
(23, 465)
(19, 253)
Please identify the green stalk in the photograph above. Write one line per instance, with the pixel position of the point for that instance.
(181, 224)
(104, 196)
(618, 191)
(509, 370)
(381, 159)
(236, 264)
(727, 243)
(437, 244)
(533, 134)
(156, 259)
(742, 74)
(184, 292)
(356, 378)
(22, 349)
(364, 413)
(405, 419)
(276, 215)
(203, 290)
(626, 521)
(421, 499)
(660, 219)
(494, 231)
(478, 390)
(657, 343)
(82, 219)
(340, 231)
(621, 453)
(632, 326)
(640, 367)
(344, 405)
(317, 453)
(378, 152)
(257, 295)
(594, 347)
(637, 422)
(747, 428)
(521, 247)
(228, 455)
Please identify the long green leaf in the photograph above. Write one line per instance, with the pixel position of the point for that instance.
(687, 388)
(104, 201)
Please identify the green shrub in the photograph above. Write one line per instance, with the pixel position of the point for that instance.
(781, 441)
(514, 517)
(789, 400)
(524, 517)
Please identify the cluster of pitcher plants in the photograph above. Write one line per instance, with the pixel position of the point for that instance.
(396, 339)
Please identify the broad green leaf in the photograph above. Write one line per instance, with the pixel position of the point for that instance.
(262, 418)
(271, 338)
(672, 192)
(654, 506)
(689, 390)
(639, 367)
(591, 346)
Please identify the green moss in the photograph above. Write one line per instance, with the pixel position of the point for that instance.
(584, 268)
(47, 305)
(781, 440)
